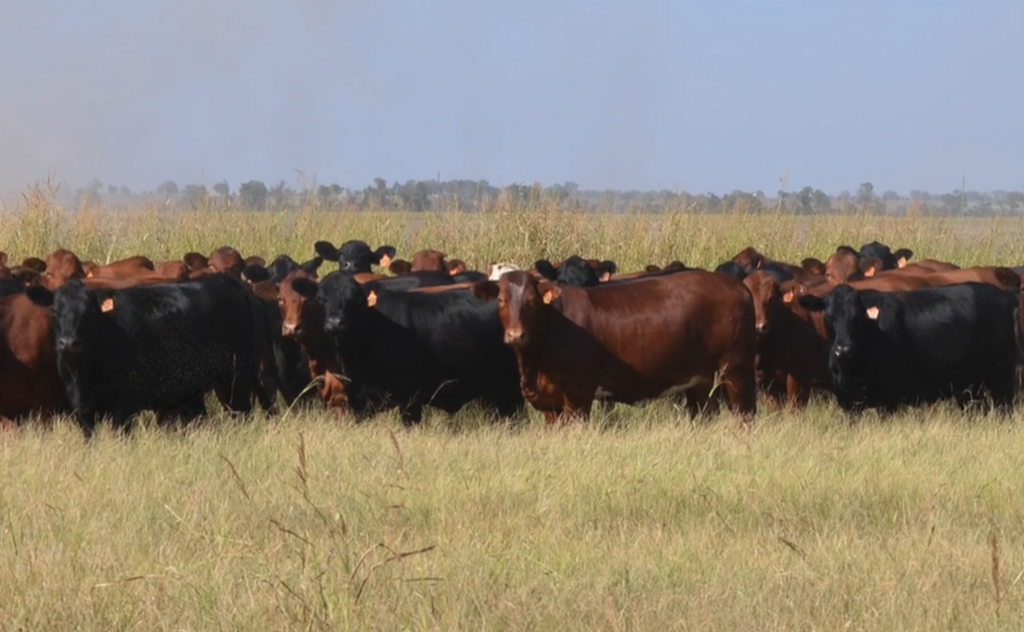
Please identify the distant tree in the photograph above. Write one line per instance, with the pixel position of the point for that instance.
(194, 194)
(805, 201)
(168, 189)
(821, 201)
(917, 194)
(420, 199)
(1015, 200)
(323, 194)
(125, 191)
(253, 194)
(278, 195)
(222, 189)
(891, 196)
(112, 189)
(866, 194)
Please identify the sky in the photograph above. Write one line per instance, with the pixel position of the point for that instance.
(680, 95)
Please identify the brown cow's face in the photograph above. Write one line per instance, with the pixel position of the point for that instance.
(429, 261)
(767, 301)
(228, 260)
(300, 311)
(748, 259)
(843, 266)
(62, 266)
(521, 307)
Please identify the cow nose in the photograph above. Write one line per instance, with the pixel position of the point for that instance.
(515, 337)
(332, 324)
(65, 344)
(841, 351)
(289, 329)
(762, 328)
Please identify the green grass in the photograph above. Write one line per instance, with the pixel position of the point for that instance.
(639, 520)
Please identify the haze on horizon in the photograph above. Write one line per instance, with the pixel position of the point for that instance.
(647, 95)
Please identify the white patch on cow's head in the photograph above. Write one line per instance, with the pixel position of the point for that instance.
(496, 270)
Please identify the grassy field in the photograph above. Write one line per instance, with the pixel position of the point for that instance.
(640, 520)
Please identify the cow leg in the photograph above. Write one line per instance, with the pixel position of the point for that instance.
(741, 391)
(797, 394)
(412, 412)
(87, 421)
(1003, 389)
(236, 396)
(124, 413)
(550, 417)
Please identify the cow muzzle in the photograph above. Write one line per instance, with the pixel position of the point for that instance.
(763, 328)
(290, 330)
(515, 337)
(841, 351)
(67, 345)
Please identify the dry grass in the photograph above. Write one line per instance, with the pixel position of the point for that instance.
(639, 521)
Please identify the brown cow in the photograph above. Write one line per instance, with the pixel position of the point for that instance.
(34, 263)
(628, 342)
(132, 266)
(227, 259)
(172, 269)
(749, 259)
(196, 261)
(29, 381)
(429, 261)
(303, 321)
(62, 265)
(456, 266)
(1003, 278)
(792, 351)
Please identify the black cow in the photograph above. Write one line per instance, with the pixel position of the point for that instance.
(894, 348)
(890, 260)
(576, 271)
(355, 256)
(412, 280)
(443, 349)
(157, 347)
(283, 265)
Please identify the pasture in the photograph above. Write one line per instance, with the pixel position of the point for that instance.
(639, 520)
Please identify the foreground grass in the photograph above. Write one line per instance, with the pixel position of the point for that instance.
(802, 522)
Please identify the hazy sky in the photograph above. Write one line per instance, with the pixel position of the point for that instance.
(701, 96)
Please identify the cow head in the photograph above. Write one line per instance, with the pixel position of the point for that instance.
(576, 271)
(749, 259)
(355, 256)
(62, 266)
(849, 318)
(522, 301)
(733, 269)
(345, 303)
(769, 301)
(196, 261)
(429, 261)
(496, 270)
(228, 260)
(888, 259)
(456, 266)
(76, 315)
(301, 314)
(283, 265)
(843, 266)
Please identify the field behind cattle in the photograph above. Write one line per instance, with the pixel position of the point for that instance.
(640, 520)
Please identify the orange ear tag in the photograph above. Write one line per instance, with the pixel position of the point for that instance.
(371, 299)
(107, 305)
(872, 313)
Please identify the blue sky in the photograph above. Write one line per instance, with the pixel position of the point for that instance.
(697, 96)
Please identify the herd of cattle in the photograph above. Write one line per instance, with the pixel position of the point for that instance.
(868, 325)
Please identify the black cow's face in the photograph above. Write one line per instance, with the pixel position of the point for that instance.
(847, 320)
(576, 271)
(355, 256)
(76, 313)
(344, 302)
(283, 265)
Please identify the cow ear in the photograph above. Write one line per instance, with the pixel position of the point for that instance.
(549, 292)
(485, 290)
(255, 273)
(400, 267)
(107, 305)
(605, 270)
(3, 258)
(903, 255)
(326, 250)
(39, 295)
(546, 270)
(652, 268)
(812, 303)
(371, 298)
(813, 266)
(265, 290)
(305, 287)
(312, 265)
(384, 255)
(872, 312)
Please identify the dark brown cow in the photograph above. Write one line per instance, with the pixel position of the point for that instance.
(456, 266)
(846, 265)
(400, 267)
(132, 266)
(628, 342)
(29, 381)
(303, 321)
(749, 259)
(1003, 278)
(120, 283)
(34, 263)
(792, 343)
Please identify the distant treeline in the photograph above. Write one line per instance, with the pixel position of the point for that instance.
(480, 195)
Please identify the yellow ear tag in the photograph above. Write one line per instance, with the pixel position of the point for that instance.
(107, 305)
(787, 297)
(870, 272)
(901, 262)
(549, 296)
(371, 299)
(385, 261)
(872, 313)
(88, 274)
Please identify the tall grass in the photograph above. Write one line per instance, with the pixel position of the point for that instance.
(640, 520)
